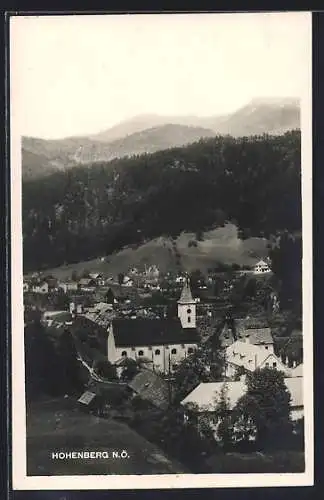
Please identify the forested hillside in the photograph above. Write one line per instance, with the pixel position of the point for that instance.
(97, 209)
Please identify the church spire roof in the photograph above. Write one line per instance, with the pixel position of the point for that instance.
(186, 295)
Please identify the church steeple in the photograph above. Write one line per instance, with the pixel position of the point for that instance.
(187, 307)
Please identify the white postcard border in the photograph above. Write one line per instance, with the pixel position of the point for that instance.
(19, 476)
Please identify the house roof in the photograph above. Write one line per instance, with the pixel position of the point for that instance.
(142, 332)
(295, 387)
(87, 397)
(247, 355)
(258, 336)
(86, 281)
(186, 295)
(102, 318)
(297, 371)
(206, 394)
(151, 387)
(261, 263)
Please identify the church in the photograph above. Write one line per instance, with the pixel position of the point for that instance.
(160, 343)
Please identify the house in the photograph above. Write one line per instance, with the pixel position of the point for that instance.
(68, 286)
(151, 387)
(297, 371)
(246, 356)
(127, 281)
(204, 398)
(58, 317)
(52, 283)
(165, 341)
(152, 272)
(87, 284)
(256, 331)
(40, 287)
(261, 267)
(99, 278)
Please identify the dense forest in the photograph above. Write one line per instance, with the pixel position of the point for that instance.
(97, 209)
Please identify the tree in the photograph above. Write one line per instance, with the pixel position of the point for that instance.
(286, 264)
(74, 276)
(121, 278)
(265, 408)
(250, 288)
(197, 279)
(204, 365)
(130, 369)
(42, 365)
(70, 366)
(224, 419)
(105, 369)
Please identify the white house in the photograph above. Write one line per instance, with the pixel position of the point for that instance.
(205, 397)
(127, 281)
(250, 357)
(68, 286)
(261, 267)
(165, 342)
(41, 287)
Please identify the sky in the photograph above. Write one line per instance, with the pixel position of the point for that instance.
(79, 75)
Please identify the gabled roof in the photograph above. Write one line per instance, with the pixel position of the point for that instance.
(247, 355)
(86, 398)
(258, 336)
(146, 332)
(206, 394)
(151, 387)
(186, 295)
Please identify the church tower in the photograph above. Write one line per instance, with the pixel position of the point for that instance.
(187, 307)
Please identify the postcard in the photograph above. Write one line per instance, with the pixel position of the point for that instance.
(161, 250)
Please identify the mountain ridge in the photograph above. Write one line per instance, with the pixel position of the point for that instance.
(151, 132)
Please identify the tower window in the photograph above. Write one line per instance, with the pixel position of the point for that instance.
(173, 351)
(124, 353)
(140, 353)
(190, 350)
(157, 352)
(189, 319)
(189, 311)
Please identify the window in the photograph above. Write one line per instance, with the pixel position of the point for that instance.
(173, 351)
(157, 352)
(190, 350)
(189, 311)
(267, 365)
(274, 365)
(140, 353)
(124, 353)
(267, 347)
(189, 319)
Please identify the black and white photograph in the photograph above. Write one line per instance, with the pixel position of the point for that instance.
(161, 194)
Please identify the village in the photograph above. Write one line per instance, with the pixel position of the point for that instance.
(152, 345)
